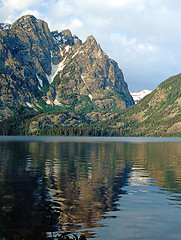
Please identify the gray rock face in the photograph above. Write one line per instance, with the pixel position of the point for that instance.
(58, 68)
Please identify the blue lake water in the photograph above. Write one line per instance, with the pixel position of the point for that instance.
(105, 188)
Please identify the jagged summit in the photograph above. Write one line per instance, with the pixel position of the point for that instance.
(30, 19)
(65, 37)
(91, 40)
(57, 68)
(91, 46)
(67, 32)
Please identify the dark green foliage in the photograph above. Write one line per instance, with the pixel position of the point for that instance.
(173, 82)
(152, 116)
(17, 124)
(56, 80)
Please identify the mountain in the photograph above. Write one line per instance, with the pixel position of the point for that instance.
(40, 69)
(137, 96)
(52, 83)
(157, 114)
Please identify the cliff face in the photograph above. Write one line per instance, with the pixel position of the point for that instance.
(57, 69)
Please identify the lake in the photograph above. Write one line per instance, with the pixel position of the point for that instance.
(104, 188)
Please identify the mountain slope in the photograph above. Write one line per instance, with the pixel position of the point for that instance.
(157, 114)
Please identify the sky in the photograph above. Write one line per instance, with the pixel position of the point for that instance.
(142, 36)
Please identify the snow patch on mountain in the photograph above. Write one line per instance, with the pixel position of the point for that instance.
(56, 102)
(67, 48)
(137, 96)
(29, 105)
(90, 96)
(55, 69)
(5, 26)
(75, 54)
(40, 81)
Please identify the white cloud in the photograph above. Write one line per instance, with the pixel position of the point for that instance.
(119, 3)
(143, 36)
(132, 44)
(75, 23)
(137, 6)
(19, 4)
(10, 10)
(35, 13)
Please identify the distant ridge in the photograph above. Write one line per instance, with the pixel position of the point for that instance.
(137, 96)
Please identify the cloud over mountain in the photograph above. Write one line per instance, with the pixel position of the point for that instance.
(142, 36)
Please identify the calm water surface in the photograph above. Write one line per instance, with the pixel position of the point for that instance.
(105, 188)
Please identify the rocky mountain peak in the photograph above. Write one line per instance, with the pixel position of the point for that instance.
(91, 40)
(91, 43)
(87, 71)
(65, 38)
(67, 33)
(92, 48)
(26, 19)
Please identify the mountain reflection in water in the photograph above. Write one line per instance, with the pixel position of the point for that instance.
(70, 186)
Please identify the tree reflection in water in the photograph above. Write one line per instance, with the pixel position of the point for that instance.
(57, 187)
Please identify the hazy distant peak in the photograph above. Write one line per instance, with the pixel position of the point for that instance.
(137, 96)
